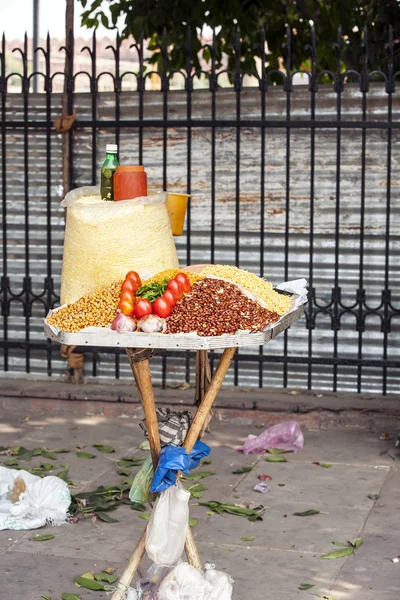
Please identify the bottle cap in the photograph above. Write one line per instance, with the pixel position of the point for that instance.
(112, 148)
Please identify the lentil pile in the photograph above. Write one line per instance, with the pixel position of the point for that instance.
(264, 289)
(215, 307)
(93, 310)
(170, 274)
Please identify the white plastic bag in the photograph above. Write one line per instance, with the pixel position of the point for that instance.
(184, 583)
(105, 240)
(44, 501)
(167, 528)
(220, 582)
(187, 583)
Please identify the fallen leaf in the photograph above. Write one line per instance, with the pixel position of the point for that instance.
(63, 475)
(357, 543)
(105, 517)
(43, 538)
(62, 451)
(193, 522)
(341, 544)
(305, 586)
(373, 496)
(108, 577)
(130, 462)
(241, 470)
(70, 597)
(88, 575)
(317, 463)
(48, 454)
(251, 538)
(124, 472)
(326, 465)
(198, 475)
(145, 516)
(276, 459)
(46, 597)
(325, 597)
(196, 490)
(103, 448)
(91, 584)
(109, 570)
(307, 513)
(144, 445)
(85, 454)
(276, 451)
(206, 462)
(339, 553)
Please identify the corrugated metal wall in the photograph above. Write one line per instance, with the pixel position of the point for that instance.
(300, 341)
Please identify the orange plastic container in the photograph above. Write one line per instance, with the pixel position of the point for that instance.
(177, 205)
(129, 182)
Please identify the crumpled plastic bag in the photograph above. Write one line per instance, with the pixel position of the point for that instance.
(140, 488)
(168, 525)
(45, 501)
(172, 426)
(173, 459)
(187, 583)
(284, 436)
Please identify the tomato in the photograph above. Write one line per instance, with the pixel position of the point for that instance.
(133, 276)
(162, 308)
(126, 307)
(184, 281)
(130, 296)
(168, 295)
(129, 286)
(142, 308)
(176, 288)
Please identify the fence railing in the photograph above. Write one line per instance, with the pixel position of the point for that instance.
(286, 180)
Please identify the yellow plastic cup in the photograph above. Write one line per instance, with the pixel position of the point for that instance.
(177, 205)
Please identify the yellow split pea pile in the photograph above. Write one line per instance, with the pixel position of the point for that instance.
(261, 288)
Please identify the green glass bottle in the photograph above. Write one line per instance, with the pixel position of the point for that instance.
(107, 173)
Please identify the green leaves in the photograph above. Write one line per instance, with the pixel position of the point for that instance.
(193, 522)
(276, 459)
(48, 454)
(235, 509)
(105, 517)
(81, 454)
(307, 513)
(70, 596)
(130, 462)
(373, 497)
(91, 584)
(196, 490)
(326, 465)
(145, 516)
(103, 448)
(276, 451)
(241, 470)
(198, 475)
(305, 586)
(109, 578)
(152, 291)
(251, 538)
(348, 549)
(46, 597)
(43, 538)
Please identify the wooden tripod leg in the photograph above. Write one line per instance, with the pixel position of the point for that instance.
(208, 400)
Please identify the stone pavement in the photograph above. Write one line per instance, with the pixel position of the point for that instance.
(286, 549)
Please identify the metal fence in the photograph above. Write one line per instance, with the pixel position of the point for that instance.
(286, 180)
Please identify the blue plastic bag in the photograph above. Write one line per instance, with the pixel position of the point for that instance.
(173, 459)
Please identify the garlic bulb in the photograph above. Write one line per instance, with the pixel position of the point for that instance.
(123, 324)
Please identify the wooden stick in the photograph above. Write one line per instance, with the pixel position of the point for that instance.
(142, 371)
(208, 400)
(131, 568)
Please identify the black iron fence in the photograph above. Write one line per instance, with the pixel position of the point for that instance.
(292, 174)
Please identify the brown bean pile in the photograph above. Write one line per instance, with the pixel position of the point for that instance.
(215, 307)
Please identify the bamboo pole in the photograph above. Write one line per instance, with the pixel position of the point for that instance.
(141, 373)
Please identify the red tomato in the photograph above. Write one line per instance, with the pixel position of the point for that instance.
(176, 288)
(133, 276)
(130, 296)
(162, 308)
(184, 281)
(129, 286)
(143, 307)
(126, 307)
(168, 295)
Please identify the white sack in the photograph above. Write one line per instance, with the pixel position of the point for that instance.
(45, 501)
(168, 525)
(185, 582)
(105, 240)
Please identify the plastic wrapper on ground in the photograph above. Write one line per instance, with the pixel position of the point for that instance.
(284, 436)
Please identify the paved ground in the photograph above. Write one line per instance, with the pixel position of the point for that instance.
(286, 549)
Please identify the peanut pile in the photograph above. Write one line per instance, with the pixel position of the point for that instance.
(215, 307)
